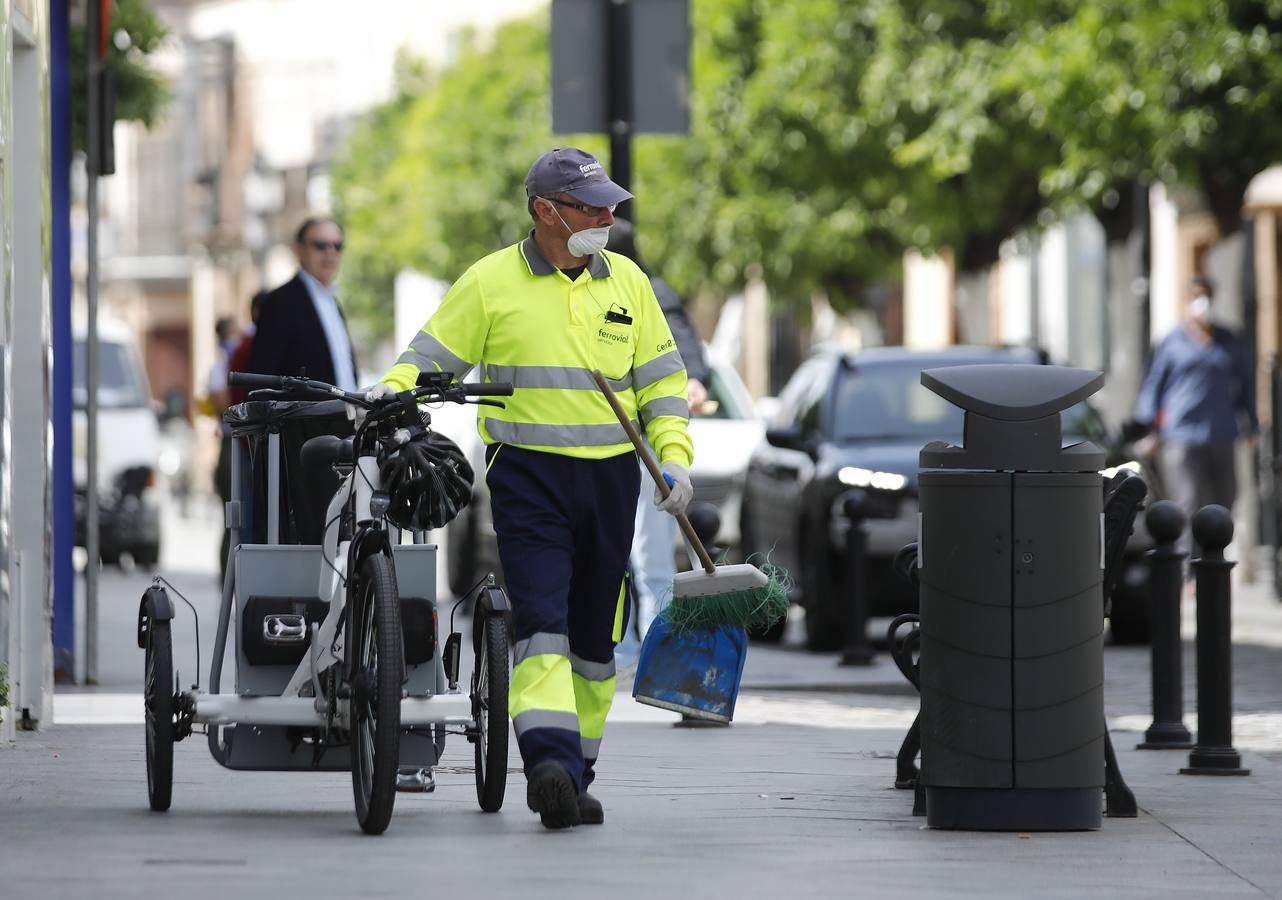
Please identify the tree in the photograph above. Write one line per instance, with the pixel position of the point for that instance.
(433, 179)
(141, 92)
(828, 137)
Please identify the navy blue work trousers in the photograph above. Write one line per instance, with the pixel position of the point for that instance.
(564, 528)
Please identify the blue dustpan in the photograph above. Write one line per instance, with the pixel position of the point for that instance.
(696, 673)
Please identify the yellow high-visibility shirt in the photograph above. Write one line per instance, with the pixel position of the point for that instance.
(531, 325)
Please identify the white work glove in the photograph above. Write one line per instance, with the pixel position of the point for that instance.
(680, 492)
(380, 391)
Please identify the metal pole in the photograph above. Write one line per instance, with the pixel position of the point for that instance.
(64, 487)
(1214, 754)
(619, 79)
(91, 347)
(1275, 469)
(857, 652)
(1165, 521)
(1144, 286)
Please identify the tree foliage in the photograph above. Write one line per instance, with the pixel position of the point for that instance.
(141, 93)
(827, 136)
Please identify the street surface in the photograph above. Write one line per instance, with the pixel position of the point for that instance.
(796, 799)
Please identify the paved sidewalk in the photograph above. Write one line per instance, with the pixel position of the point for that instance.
(794, 800)
(748, 811)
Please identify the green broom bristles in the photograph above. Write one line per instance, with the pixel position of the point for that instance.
(756, 609)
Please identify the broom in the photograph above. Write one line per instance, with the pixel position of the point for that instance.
(712, 596)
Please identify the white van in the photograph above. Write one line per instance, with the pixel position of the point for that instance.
(128, 448)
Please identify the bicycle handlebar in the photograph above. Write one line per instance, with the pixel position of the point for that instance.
(250, 380)
(456, 392)
(488, 389)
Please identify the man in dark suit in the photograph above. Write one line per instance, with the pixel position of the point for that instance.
(301, 329)
(301, 326)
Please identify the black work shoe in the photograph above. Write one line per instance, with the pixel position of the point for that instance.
(551, 793)
(590, 809)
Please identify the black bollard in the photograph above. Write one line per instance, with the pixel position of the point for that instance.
(858, 651)
(1165, 521)
(1213, 754)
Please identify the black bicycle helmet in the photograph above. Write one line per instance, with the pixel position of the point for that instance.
(429, 481)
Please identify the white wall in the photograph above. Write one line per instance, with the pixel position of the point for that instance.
(1164, 288)
(928, 301)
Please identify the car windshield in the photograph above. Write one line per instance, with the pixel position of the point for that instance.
(888, 402)
(724, 398)
(120, 384)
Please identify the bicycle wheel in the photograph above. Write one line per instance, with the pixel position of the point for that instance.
(375, 698)
(158, 699)
(490, 676)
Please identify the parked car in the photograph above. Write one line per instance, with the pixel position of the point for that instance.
(724, 436)
(860, 420)
(128, 448)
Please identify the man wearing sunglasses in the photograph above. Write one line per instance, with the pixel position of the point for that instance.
(563, 476)
(301, 329)
(301, 326)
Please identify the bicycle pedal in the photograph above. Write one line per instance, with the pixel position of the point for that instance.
(413, 780)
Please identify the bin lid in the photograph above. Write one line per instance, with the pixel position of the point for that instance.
(1012, 418)
(1013, 393)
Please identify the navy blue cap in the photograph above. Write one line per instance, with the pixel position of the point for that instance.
(575, 172)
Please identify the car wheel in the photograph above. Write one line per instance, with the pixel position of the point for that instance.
(146, 556)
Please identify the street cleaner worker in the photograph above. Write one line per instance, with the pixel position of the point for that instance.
(562, 474)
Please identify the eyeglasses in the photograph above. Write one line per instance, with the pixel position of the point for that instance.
(593, 211)
(322, 246)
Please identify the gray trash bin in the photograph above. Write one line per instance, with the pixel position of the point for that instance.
(1011, 564)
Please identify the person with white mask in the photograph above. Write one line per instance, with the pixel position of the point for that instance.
(1198, 397)
(544, 315)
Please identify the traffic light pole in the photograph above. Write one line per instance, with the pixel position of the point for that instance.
(618, 61)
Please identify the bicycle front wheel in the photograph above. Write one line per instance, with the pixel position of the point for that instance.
(158, 699)
(375, 711)
(490, 678)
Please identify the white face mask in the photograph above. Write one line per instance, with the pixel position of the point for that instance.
(1200, 309)
(585, 242)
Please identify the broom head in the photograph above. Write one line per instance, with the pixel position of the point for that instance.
(740, 595)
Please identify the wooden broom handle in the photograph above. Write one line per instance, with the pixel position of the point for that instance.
(655, 472)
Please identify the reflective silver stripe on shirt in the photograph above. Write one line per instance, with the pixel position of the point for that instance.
(591, 671)
(660, 367)
(428, 354)
(591, 747)
(665, 406)
(566, 378)
(539, 644)
(530, 434)
(543, 718)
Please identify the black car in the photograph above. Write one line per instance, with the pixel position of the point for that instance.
(849, 421)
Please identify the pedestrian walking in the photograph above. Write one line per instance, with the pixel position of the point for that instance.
(301, 327)
(543, 314)
(1199, 396)
(301, 330)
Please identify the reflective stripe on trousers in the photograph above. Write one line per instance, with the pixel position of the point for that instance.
(564, 528)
